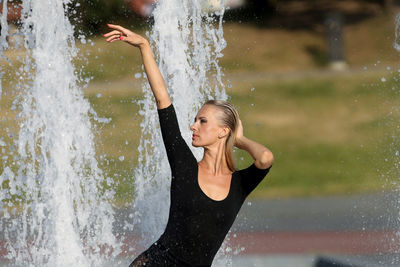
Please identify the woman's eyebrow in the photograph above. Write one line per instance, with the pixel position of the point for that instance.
(199, 118)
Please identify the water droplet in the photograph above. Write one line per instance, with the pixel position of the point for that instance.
(82, 39)
(252, 89)
(383, 79)
(99, 95)
(121, 158)
(138, 75)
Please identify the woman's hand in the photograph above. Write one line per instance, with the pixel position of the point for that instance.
(239, 135)
(120, 33)
(263, 158)
(153, 74)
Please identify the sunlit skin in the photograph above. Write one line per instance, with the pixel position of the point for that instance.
(206, 128)
(214, 176)
(209, 134)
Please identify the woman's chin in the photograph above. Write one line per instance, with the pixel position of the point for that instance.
(194, 144)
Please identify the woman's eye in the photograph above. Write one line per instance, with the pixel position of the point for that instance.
(203, 121)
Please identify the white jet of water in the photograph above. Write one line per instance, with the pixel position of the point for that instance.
(56, 211)
(187, 42)
(396, 43)
(3, 36)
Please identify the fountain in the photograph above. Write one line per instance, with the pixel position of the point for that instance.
(64, 216)
(396, 43)
(187, 54)
(54, 199)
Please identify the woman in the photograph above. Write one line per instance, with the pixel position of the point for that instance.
(207, 195)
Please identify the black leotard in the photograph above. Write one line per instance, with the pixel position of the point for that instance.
(197, 224)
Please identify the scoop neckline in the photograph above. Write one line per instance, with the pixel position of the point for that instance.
(205, 195)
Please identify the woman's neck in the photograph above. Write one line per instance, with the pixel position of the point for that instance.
(214, 160)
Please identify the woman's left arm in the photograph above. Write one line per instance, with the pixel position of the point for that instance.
(263, 157)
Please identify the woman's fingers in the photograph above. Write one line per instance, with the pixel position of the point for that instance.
(120, 33)
(119, 28)
(113, 38)
(111, 33)
(239, 130)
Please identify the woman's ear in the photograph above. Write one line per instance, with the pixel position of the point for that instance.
(224, 132)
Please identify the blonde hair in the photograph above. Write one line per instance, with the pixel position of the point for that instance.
(228, 117)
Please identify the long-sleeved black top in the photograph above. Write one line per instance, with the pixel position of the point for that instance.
(197, 224)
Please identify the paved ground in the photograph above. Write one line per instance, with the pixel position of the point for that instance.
(352, 212)
(353, 230)
(357, 230)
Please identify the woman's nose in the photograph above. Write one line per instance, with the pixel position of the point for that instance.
(191, 127)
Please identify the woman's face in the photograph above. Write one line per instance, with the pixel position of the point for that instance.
(206, 129)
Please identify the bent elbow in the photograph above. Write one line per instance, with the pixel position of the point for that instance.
(266, 160)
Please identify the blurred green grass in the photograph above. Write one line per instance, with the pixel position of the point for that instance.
(331, 133)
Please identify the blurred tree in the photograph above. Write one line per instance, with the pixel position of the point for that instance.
(388, 5)
(263, 7)
(91, 16)
(306, 14)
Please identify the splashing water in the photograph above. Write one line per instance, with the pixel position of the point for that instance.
(396, 43)
(187, 47)
(3, 36)
(55, 209)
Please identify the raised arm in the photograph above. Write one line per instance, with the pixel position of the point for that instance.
(263, 157)
(153, 73)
